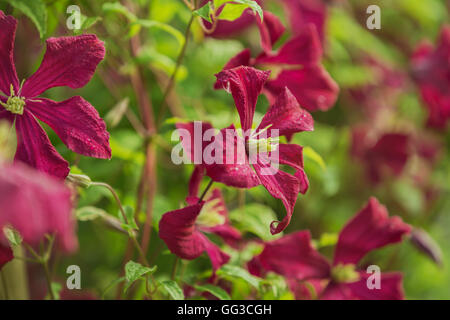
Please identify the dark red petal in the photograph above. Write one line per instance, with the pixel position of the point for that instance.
(280, 185)
(312, 86)
(194, 146)
(370, 229)
(391, 287)
(6, 255)
(337, 291)
(302, 50)
(238, 173)
(77, 124)
(292, 155)
(35, 149)
(287, 116)
(177, 229)
(36, 204)
(270, 30)
(305, 12)
(241, 59)
(8, 73)
(179, 232)
(293, 256)
(68, 61)
(245, 84)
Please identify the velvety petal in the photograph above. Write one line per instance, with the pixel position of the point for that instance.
(305, 12)
(36, 204)
(280, 185)
(370, 229)
(245, 84)
(391, 287)
(292, 155)
(240, 59)
(6, 255)
(179, 231)
(68, 61)
(312, 86)
(270, 30)
(287, 116)
(293, 256)
(236, 172)
(302, 50)
(337, 291)
(302, 290)
(194, 146)
(77, 124)
(218, 257)
(35, 149)
(8, 74)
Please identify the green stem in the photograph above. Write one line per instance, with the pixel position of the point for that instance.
(5, 286)
(206, 190)
(174, 269)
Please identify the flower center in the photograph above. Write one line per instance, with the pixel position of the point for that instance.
(344, 273)
(210, 215)
(260, 143)
(14, 104)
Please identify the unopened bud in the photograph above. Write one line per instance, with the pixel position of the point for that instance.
(80, 179)
(425, 244)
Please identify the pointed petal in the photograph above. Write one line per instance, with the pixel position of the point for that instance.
(240, 59)
(245, 84)
(35, 149)
(195, 180)
(280, 185)
(292, 155)
(6, 255)
(312, 86)
(337, 291)
(218, 257)
(391, 287)
(302, 50)
(287, 116)
(68, 61)
(270, 30)
(77, 124)
(36, 204)
(194, 146)
(293, 256)
(8, 73)
(370, 229)
(235, 171)
(305, 12)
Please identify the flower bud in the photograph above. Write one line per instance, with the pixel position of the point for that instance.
(80, 179)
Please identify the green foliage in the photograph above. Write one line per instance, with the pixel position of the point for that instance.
(173, 289)
(35, 10)
(135, 271)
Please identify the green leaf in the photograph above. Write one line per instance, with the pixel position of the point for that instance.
(310, 154)
(89, 213)
(238, 272)
(173, 289)
(13, 236)
(35, 10)
(214, 290)
(135, 271)
(130, 223)
(235, 8)
(327, 239)
(204, 12)
(254, 218)
(56, 288)
(87, 22)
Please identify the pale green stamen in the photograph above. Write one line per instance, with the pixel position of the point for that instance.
(344, 273)
(14, 104)
(209, 215)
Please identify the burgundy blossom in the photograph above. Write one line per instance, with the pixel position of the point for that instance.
(6, 255)
(294, 257)
(183, 230)
(296, 65)
(68, 61)
(431, 71)
(286, 116)
(35, 204)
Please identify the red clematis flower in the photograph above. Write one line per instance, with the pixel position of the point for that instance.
(296, 66)
(35, 204)
(248, 170)
(431, 70)
(68, 61)
(294, 257)
(387, 154)
(183, 230)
